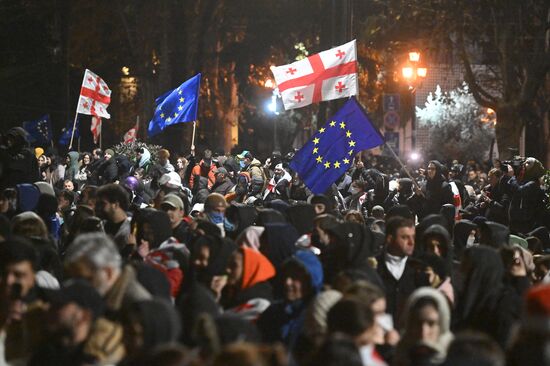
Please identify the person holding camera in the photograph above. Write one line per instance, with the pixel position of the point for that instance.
(527, 199)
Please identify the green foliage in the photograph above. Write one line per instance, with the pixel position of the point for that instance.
(457, 127)
(129, 150)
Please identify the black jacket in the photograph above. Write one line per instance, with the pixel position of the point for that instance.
(398, 291)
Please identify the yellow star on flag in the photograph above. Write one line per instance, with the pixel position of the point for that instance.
(346, 161)
(342, 125)
(332, 124)
(348, 134)
(182, 99)
(180, 107)
(175, 114)
(321, 130)
(351, 143)
(350, 153)
(319, 159)
(315, 149)
(315, 141)
(162, 115)
(168, 119)
(179, 92)
(327, 165)
(337, 164)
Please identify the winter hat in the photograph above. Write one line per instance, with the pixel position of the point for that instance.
(214, 200)
(173, 201)
(171, 180)
(315, 323)
(45, 188)
(533, 169)
(110, 152)
(256, 268)
(38, 151)
(537, 309)
(516, 240)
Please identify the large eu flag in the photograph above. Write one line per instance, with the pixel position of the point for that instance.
(330, 152)
(176, 106)
(40, 130)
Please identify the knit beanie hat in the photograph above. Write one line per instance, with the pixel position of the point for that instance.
(214, 200)
(110, 152)
(315, 323)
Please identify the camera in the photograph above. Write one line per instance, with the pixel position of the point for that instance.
(515, 163)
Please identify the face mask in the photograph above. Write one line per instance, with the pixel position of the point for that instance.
(470, 241)
(242, 164)
(216, 217)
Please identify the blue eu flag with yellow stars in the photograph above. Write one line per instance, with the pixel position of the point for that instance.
(40, 130)
(176, 106)
(330, 152)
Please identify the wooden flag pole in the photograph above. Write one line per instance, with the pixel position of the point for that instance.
(193, 138)
(403, 166)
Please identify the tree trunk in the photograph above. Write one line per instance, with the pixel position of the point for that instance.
(508, 130)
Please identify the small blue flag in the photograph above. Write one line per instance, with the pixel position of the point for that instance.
(66, 132)
(176, 106)
(330, 152)
(40, 130)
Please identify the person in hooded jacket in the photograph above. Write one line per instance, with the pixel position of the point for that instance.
(426, 335)
(277, 242)
(18, 163)
(71, 169)
(351, 247)
(205, 168)
(107, 170)
(143, 160)
(437, 191)
(248, 292)
(486, 304)
(283, 321)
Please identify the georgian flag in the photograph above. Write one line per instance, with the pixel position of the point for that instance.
(95, 127)
(95, 96)
(130, 136)
(327, 75)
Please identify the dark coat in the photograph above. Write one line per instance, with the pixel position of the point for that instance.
(398, 291)
(526, 209)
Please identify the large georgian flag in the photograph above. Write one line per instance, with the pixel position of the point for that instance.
(95, 96)
(327, 75)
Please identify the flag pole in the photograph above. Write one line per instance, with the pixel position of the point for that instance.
(193, 138)
(76, 113)
(402, 166)
(78, 143)
(100, 138)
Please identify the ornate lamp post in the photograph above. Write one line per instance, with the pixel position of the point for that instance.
(414, 74)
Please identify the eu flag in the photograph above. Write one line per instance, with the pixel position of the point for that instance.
(40, 130)
(176, 106)
(330, 152)
(66, 132)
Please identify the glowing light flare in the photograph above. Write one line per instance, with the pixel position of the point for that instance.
(422, 72)
(414, 56)
(407, 72)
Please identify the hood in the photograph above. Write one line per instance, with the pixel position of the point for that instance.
(160, 322)
(483, 276)
(313, 266)
(19, 136)
(354, 245)
(242, 216)
(543, 235)
(220, 253)
(269, 216)
(279, 205)
(409, 341)
(533, 169)
(278, 242)
(448, 211)
(494, 234)
(429, 221)
(461, 232)
(27, 197)
(250, 237)
(256, 162)
(73, 158)
(256, 268)
(145, 158)
(405, 186)
(442, 234)
(45, 188)
(159, 224)
(301, 217)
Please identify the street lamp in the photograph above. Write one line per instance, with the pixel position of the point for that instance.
(414, 74)
(272, 107)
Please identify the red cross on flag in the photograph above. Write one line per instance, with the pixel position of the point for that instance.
(130, 136)
(327, 75)
(95, 127)
(95, 96)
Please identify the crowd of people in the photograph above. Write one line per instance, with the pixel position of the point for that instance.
(227, 260)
